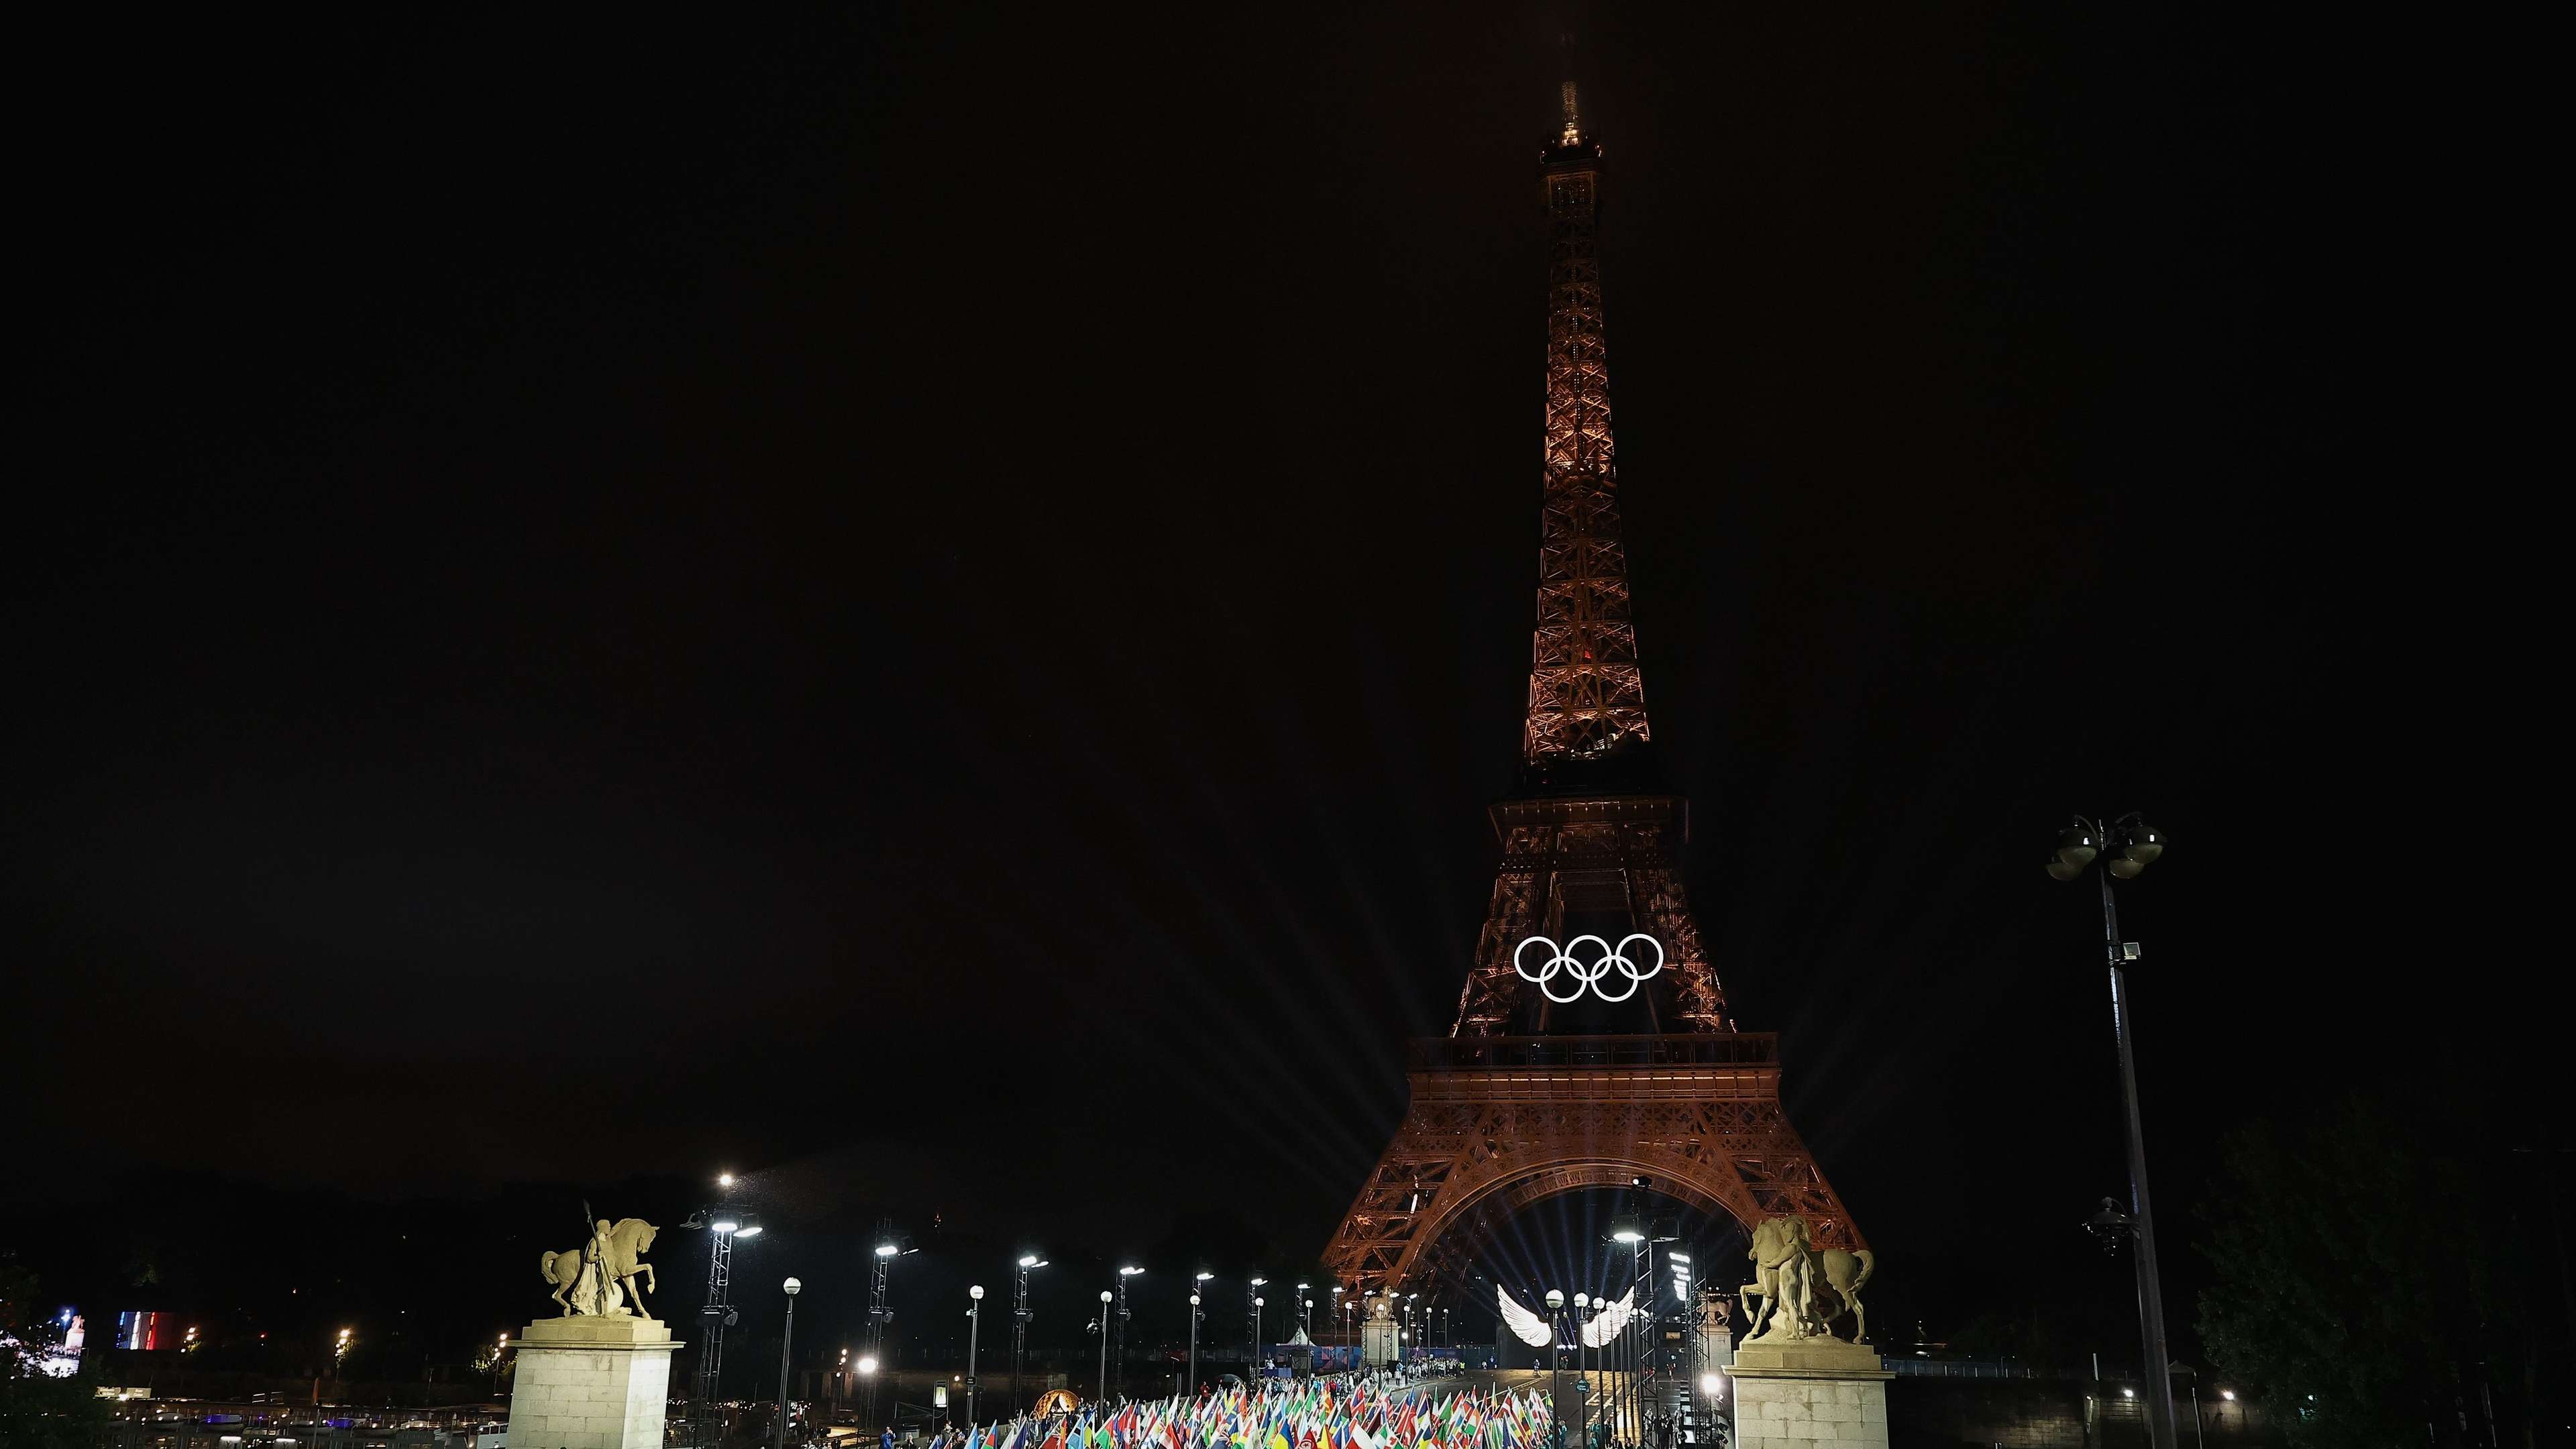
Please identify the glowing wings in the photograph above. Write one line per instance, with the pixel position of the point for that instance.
(1611, 1320)
(1528, 1327)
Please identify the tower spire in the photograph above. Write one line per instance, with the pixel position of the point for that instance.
(1586, 698)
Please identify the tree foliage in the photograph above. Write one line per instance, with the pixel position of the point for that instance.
(37, 1410)
(2357, 1273)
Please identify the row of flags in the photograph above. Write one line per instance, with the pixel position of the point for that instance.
(1342, 1412)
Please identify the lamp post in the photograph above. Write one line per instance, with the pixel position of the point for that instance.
(786, 1347)
(1306, 1316)
(1556, 1365)
(1124, 1274)
(1105, 1296)
(1252, 1306)
(2134, 845)
(1582, 1320)
(974, 1327)
(1195, 1318)
(1020, 1322)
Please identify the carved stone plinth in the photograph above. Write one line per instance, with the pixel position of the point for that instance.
(1809, 1393)
(591, 1383)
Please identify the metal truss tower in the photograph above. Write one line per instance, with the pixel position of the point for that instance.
(715, 1314)
(1531, 1095)
(881, 1266)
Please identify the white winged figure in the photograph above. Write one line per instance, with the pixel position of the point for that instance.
(1610, 1320)
(1528, 1327)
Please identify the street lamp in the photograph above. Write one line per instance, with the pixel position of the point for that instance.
(1252, 1291)
(339, 1351)
(1020, 1318)
(786, 1346)
(2133, 845)
(1124, 1274)
(890, 1245)
(974, 1327)
(1105, 1296)
(1556, 1364)
(1196, 1318)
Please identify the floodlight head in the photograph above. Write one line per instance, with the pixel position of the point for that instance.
(868, 1363)
(888, 1250)
(1677, 1257)
(1032, 1260)
(725, 1224)
(793, 1287)
(976, 1292)
(1203, 1277)
(1129, 1272)
(1711, 1383)
(724, 1179)
(1627, 1229)
(750, 1226)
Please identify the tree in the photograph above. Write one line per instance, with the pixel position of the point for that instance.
(2356, 1259)
(37, 1410)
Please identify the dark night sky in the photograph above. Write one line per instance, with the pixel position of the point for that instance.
(946, 590)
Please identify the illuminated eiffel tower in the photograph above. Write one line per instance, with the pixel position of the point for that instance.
(1550, 1084)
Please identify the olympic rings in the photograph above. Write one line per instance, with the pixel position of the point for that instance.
(1561, 959)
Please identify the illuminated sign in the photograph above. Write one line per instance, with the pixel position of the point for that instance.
(1561, 961)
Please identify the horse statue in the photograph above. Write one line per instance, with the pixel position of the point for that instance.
(1800, 1290)
(593, 1274)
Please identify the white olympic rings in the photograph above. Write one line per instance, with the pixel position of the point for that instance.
(1561, 960)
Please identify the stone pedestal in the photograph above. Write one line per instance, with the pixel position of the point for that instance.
(1812, 1393)
(591, 1383)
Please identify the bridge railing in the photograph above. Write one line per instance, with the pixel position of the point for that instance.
(1473, 1053)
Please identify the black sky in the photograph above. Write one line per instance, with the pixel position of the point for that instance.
(946, 589)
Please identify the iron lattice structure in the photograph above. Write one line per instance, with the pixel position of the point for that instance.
(1506, 1112)
(1586, 697)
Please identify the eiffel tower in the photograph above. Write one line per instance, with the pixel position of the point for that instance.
(1539, 1090)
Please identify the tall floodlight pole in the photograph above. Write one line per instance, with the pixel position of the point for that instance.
(880, 1313)
(974, 1327)
(2134, 846)
(786, 1352)
(1020, 1324)
(1196, 1318)
(1124, 1274)
(1630, 1231)
(716, 1313)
